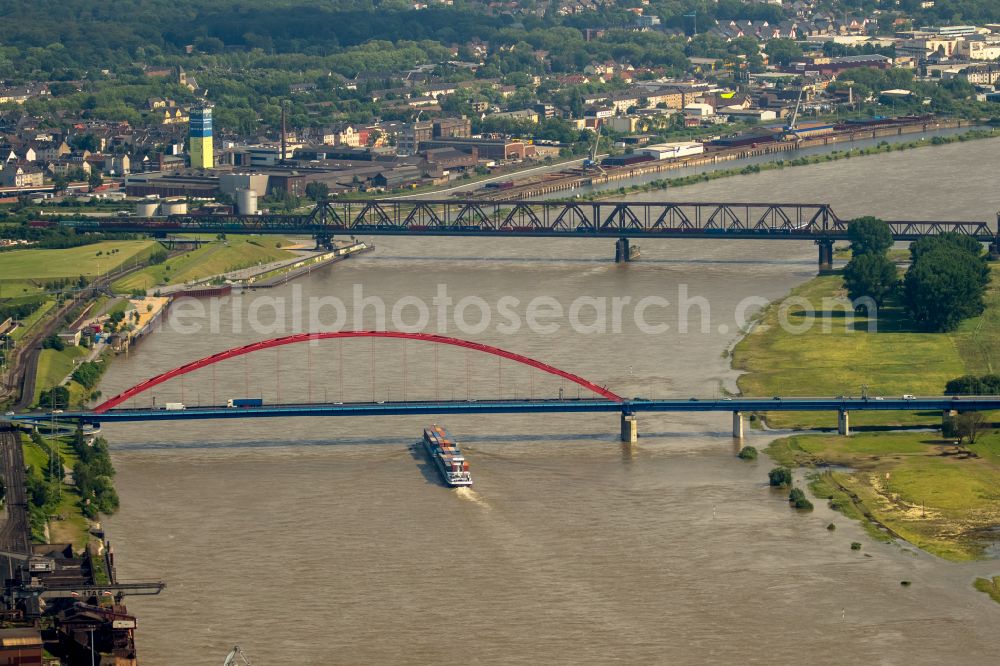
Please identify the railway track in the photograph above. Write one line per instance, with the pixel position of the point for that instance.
(15, 529)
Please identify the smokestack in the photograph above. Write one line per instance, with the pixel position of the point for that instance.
(283, 132)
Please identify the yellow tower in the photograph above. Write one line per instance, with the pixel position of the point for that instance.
(202, 155)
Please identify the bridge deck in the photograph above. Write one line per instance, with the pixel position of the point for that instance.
(791, 404)
(565, 219)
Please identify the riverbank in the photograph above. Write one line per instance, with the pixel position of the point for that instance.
(232, 253)
(289, 272)
(842, 354)
(832, 156)
(913, 486)
(910, 485)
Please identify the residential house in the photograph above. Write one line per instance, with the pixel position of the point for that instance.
(46, 152)
(528, 115)
(67, 166)
(345, 135)
(20, 174)
(117, 165)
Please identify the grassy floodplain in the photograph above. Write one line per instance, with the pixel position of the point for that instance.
(234, 253)
(920, 487)
(837, 357)
(54, 366)
(26, 269)
(913, 485)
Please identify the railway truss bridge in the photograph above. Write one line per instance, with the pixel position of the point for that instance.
(624, 221)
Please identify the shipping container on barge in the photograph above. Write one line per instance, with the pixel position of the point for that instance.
(447, 457)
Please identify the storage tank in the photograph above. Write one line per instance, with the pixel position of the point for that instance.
(147, 208)
(246, 202)
(174, 208)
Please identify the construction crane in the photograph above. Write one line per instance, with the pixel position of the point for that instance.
(790, 127)
(231, 659)
(591, 161)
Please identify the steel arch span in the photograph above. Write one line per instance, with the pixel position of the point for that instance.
(307, 337)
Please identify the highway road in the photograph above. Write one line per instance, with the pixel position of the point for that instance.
(635, 405)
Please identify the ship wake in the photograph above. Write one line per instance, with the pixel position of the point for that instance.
(470, 495)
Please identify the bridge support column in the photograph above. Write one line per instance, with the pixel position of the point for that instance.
(738, 427)
(946, 417)
(324, 241)
(630, 428)
(995, 250)
(825, 255)
(843, 422)
(623, 253)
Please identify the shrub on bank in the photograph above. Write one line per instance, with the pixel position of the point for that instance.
(799, 500)
(748, 453)
(780, 477)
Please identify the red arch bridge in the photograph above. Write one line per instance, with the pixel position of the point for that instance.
(602, 400)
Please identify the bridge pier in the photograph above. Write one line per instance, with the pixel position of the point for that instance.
(324, 241)
(630, 428)
(946, 418)
(825, 255)
(623, 253)
(843, 422)
(738, 427)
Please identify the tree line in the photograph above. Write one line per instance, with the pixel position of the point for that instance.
(944, 284)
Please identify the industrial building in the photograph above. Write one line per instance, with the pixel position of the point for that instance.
(201, 150)
(485, 149)
(665, 151)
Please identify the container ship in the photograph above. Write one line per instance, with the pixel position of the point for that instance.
(446, 455)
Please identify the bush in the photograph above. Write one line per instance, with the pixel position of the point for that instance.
(88, 374)
(799, 500)
(53, 342)
(973, 385)
(855, 545)
(780, 476)
(748, 453)
(831, 527)
(56, 397)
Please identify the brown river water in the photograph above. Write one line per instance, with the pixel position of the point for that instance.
(328, 541)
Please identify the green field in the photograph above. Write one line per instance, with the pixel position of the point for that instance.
(21, 266)
(29, 322)
(914, 485)
(234, 253)
(838, 361)
(73, 526)
(54, 366)
(928, 491)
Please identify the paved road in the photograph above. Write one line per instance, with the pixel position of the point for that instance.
(785, 404)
